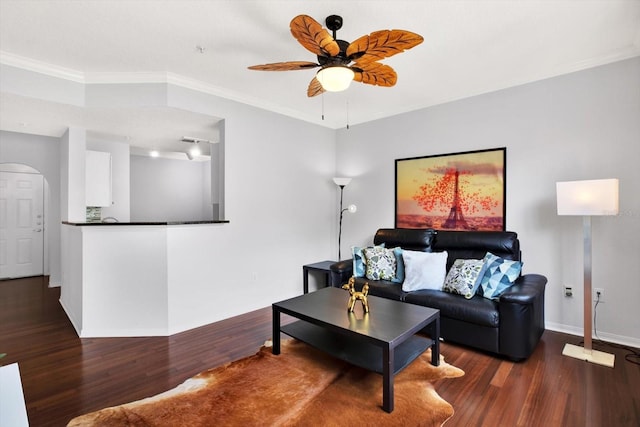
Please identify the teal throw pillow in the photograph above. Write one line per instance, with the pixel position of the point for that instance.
(464, 277)
(499, 275)
(399, 266)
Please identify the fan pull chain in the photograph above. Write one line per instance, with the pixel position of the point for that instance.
(347, 114)
(322, 95)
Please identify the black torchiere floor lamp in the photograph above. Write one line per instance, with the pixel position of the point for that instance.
(342, 182)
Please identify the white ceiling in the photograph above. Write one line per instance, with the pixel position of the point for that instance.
(470, 47)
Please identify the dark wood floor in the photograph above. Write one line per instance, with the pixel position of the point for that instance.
(64, 376)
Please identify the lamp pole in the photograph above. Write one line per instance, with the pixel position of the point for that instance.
(342, 182)
(340, 225)
(586, 227)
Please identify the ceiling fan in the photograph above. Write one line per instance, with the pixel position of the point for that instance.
(341, 62)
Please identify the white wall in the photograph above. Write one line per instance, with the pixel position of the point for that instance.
(279, 199)
(170, 190)
(124, 281)
(159, 268)
(71, 296)
(73, 145)
(41, 86)
(208, 208)
(584, 125)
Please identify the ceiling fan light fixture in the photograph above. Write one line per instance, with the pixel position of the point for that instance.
(335, 78)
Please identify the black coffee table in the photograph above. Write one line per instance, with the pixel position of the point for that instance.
(382, 341)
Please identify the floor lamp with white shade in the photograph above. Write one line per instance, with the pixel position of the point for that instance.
(588, 198)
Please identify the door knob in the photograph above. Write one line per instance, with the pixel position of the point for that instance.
(38, 230)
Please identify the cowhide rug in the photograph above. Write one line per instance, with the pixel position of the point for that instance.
(300, 387)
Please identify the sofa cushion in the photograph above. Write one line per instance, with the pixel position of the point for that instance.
(499, 275)
(382, 288)
(464, 277)
(411, 239)
(423, 270)
(477, 310)
(381, 263)
(475, 244)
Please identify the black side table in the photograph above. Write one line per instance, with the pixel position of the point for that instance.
(322, 266)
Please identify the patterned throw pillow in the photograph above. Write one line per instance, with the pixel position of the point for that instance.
(381, 263)
(464, 277)
(359, 261)
(498, 276)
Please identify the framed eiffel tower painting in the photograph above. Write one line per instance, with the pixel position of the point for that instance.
(456, 191)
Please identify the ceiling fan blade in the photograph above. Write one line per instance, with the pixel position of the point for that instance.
(285, 66)
(315, 88)
(382, 44)
(374, 73)
(313, 37)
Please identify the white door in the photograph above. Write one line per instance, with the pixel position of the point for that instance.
(21, 225)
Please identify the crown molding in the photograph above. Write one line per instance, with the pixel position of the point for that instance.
(40, 67)
(151, 77)
(140, 77)
(199, 86)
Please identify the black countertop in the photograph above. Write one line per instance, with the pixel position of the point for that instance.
(82, 224)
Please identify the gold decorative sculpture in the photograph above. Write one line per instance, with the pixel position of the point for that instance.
(357, 296)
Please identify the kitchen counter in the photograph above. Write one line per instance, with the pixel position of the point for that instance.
(144, 279)
(82, 224)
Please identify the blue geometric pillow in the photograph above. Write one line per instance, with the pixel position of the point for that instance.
(499, 275)
(359, 261)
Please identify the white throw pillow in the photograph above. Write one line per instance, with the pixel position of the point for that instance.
(424, 270)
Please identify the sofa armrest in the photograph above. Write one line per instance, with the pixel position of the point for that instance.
(341, 272)
(525, 289)
(522, 316)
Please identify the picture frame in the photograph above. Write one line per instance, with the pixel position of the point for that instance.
(455, 191)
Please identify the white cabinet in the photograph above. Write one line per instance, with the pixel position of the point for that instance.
(98, 179)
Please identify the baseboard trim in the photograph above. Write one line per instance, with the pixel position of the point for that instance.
(76, 325)
(123, 333)
(602, 336)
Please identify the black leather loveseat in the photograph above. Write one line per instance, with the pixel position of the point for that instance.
(510, 326)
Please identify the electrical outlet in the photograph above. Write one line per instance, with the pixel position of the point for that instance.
(600, 297)
(568, 291)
